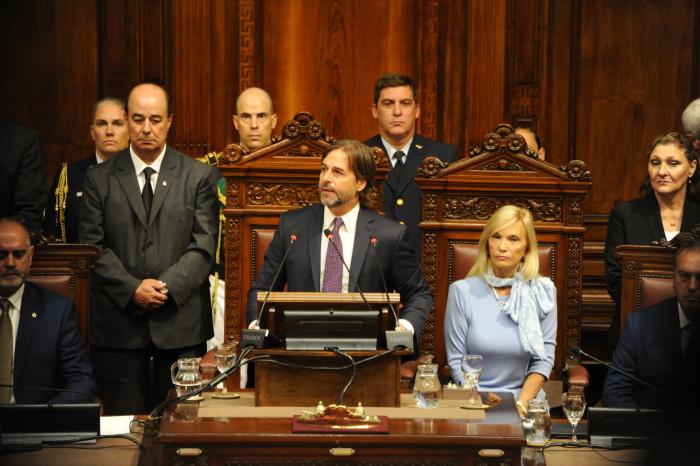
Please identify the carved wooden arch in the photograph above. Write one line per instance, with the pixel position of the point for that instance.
(460, 197)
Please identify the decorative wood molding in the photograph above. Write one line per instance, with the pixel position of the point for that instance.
(466, 207)
(577, 171)
(430, 167)
(246, 39)
(234, 312)
(574, 252)
(286, 195)
(429, 254)
(428, 67)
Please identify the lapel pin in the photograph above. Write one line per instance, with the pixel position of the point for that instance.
(79, 194)
(165, 183)
(34, 315)
(418, 146)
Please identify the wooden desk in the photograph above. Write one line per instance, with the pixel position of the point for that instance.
(376, 383)
(266, 441)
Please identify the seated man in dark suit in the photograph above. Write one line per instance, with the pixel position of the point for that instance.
(108, 130)
(41, 352)
(396, 109)
(347, 173)
(661, 345)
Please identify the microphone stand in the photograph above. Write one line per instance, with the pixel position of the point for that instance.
(579, 352)
(256, 336)
(394, 337)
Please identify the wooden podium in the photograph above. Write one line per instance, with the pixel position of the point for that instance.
(295, 378)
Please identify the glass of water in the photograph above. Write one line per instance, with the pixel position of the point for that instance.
(472, 365)
(225, 358)
(574, 406)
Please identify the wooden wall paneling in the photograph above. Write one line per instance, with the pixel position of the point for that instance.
(324, 57)
(427, 62)
(452, 75)
(223, 80)
(625, 74)
(49, 78)
(190, 76)
(486, 42)
(526, 68)
(120, 67)
(695, 81)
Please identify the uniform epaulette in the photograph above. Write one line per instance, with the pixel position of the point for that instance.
(212, 158)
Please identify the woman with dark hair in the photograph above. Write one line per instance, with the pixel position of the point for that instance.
(504, 310)
(669, 204)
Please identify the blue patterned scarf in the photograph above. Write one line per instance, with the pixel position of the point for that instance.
(529, 302)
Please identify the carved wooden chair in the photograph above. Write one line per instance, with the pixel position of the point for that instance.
(65, 270)
(459, 198)
(647, 277)
(261, 185)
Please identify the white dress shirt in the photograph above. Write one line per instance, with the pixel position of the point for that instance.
(140, 165)
(391, 151)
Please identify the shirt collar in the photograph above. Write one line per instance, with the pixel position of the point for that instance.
(349, 219)
(98, 158)
(682, 318)
(16, 297)
(139, 164)
(391, 150)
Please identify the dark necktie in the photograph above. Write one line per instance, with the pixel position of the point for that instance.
(6, 345)
(333, 272)
(398, 166)
(147, 192)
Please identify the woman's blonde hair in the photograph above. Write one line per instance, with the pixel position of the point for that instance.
(503, 218)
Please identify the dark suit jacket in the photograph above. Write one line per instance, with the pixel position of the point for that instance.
(49, 351)
(650, 349)
(74, 201)
(301, 271)
(637, 222)
(405, 188)
(22, 176)
(176, 245)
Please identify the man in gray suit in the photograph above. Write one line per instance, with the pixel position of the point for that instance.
(152, 211)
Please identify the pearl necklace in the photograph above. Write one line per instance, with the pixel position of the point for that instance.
(501, 300)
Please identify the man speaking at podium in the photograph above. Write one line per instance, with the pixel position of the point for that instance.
(312, 264)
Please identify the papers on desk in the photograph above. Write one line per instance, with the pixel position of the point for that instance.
(110, 425)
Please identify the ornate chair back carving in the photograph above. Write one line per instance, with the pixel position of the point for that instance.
(65, 270)
(458, 200)
(647, 277)
(260, 186)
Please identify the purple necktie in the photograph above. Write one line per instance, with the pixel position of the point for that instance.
(333, 273)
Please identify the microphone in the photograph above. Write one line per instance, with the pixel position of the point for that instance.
(256, 336)
(329, 235)
(394, 337)
(579, 352)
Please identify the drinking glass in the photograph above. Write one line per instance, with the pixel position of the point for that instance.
(574, 406)
(472, 365)
(225, 357)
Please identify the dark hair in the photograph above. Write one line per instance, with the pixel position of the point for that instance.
(394, 80)
(107, 100)
(685, 243)
(686, 146)
(167, 97)
(360, 161)
(534, 133)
